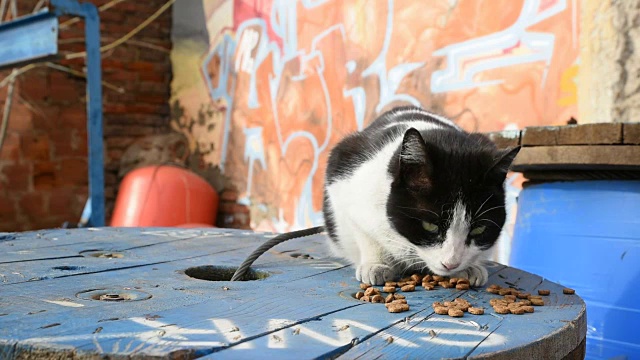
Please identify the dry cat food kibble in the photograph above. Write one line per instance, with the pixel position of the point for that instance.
(537, 302)
(397, 307)
(387, 294)
(462, 286)
(544, 292)
(462, 304)
(441, 310)
(503, 292)
(428, 286)
(476, 311)
(517, 310)
(372, 291)
(568, 291)
(457, 307)
(513, 301)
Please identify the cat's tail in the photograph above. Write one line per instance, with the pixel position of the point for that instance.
(244, 267)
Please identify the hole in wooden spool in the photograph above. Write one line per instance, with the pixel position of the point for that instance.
(222, 273)
(67, 268)
(113, 295)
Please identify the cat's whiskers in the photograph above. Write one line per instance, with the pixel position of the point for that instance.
(409, 216)
(486, 211)
(416, 209)
(491, 221)
(399, 247)
(413, 264)
(404, 260)
(426, 266)
(480, 208)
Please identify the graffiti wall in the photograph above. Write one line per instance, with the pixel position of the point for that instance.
(265, 88)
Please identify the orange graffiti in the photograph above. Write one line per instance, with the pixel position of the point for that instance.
(294, 80)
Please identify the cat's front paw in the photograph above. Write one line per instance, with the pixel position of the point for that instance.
(374, 274)
(477, 275)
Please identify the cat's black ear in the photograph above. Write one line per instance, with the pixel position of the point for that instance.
(415, 167)
(498, 171)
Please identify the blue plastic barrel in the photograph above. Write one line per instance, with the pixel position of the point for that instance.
(586, 235)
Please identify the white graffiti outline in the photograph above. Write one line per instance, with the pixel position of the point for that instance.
(458, 77)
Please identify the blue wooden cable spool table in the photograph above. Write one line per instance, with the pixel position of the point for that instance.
(157, 293)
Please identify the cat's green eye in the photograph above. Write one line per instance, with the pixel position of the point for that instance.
(477, 231)
(430, 227)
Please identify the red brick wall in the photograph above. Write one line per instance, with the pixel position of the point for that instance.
(43, 164)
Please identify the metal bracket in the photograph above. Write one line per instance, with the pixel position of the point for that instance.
(28, 39)
(34, 38)
(89, 12)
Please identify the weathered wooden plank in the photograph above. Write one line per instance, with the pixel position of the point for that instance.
(63, 267)
(631, 133)
(490, 331)
(254, 320)
(242, 306)
(577, 157)
(52, 244)
(556, 328)
(328, 336)
(60, 329)
(590, 134)
(586, 134)
(166, 282)
(134, 254)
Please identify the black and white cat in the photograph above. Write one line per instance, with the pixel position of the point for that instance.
(412, 192)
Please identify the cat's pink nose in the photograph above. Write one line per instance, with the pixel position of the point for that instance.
(450, 266)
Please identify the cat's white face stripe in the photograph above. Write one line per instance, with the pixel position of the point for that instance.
(453, 247)
(453, 250)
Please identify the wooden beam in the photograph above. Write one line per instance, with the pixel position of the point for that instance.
(578, 157)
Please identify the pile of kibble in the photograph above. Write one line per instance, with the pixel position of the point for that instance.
(396, 303)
